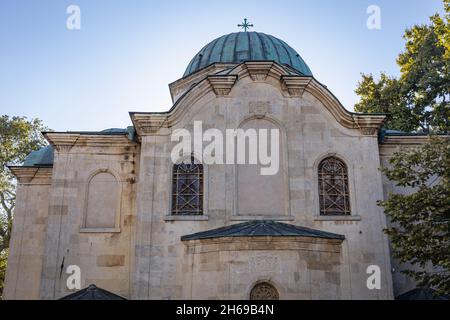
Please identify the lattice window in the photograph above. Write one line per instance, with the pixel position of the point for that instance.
(333, 187)
(264, 291)
(187, 188)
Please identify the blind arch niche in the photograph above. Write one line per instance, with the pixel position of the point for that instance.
(262, 196)
(102, 208)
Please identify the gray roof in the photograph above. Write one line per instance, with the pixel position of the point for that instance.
(92, 293)
(262, 228)
(40, 158)
(44, 156)
(128, 131)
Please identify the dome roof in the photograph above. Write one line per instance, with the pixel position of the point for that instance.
(244, 46)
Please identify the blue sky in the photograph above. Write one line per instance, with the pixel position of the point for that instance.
(128, 51)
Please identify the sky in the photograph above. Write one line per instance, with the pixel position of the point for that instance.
(126, 52)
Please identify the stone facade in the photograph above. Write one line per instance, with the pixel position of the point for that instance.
(140, 255)
(299, 268)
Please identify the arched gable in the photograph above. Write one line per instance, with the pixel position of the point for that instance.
(221, 85)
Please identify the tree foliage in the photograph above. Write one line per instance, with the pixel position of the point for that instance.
(421, 220)
(3, 261)
(418, 100)
(18, 137)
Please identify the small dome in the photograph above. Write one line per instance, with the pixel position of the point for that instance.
(246, 46)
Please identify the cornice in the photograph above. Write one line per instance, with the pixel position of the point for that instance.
(295, 85)
(26, 175)
(149, 124)
(62, 142)
(178, 87)
(65, 141)
(404, 140)
(222, 84)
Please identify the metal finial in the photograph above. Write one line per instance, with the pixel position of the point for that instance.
(245, 25)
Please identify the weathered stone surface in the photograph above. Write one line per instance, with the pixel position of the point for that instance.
(110, 260)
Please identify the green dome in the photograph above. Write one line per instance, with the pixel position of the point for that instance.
(245, 46)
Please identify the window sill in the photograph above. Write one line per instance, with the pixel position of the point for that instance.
(274, 217)
(186, 218)
(337, 218)
(99, 230)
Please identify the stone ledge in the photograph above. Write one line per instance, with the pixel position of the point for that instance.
(246, 218)
(288, 243)
(99, 230)
(186, 218)
(337, 218)
(26, 175)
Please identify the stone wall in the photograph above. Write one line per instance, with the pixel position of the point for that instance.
(104, 255)
(228, 268)
(28, 234)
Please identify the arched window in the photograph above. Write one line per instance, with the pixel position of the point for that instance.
(264, 291)
(333, 187)
(187, 188)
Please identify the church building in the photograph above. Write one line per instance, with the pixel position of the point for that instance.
(115, 206)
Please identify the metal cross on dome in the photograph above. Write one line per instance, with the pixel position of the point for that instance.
(245, 25)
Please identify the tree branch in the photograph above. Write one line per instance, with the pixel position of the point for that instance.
(4, 203)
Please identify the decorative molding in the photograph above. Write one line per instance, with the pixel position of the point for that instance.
(259, 108)
(186, 218)
(258, 70)
(103, 141)
(222, 84)
(262, 217)
(268, 243)
(337, 218)
(147, 124)
(295, 85)
(263, 262)
(369, 124)
(32, 175)
(180, 86)
(406, 140)
(63, 142)
(395, 143)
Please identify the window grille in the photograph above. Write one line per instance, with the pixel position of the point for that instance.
(187, 188)
(333, 187)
